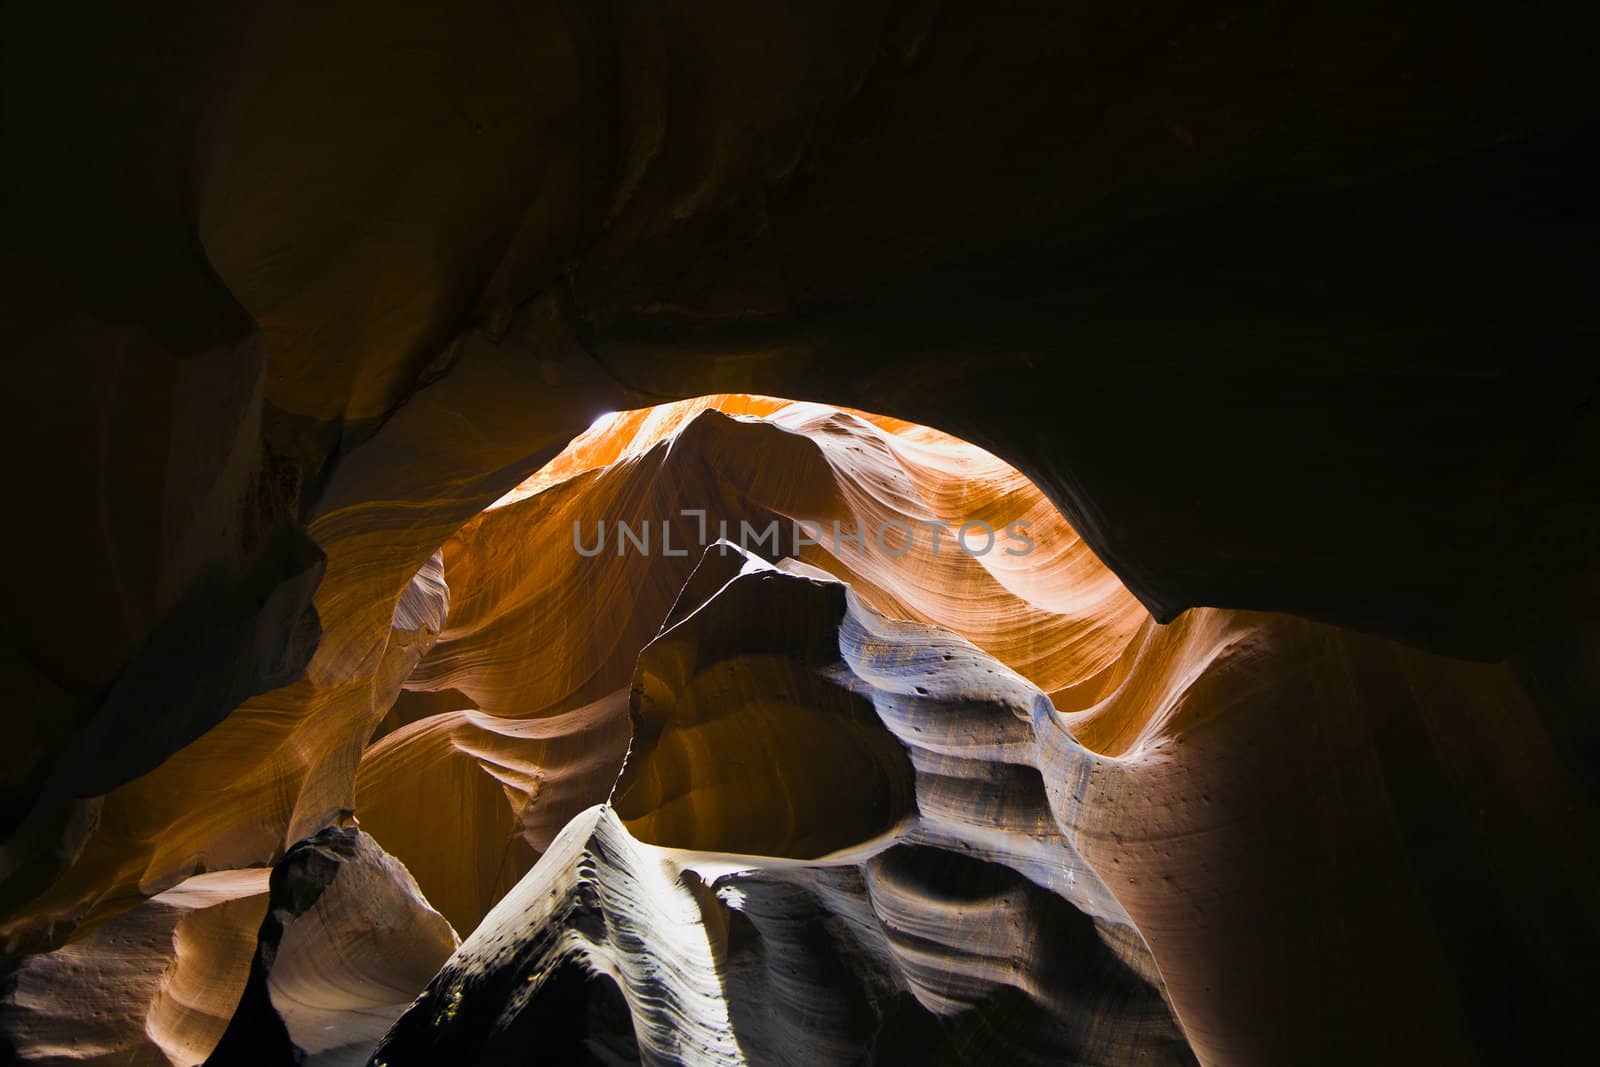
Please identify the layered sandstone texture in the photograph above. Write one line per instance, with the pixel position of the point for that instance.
(869, 795)
(323, 330)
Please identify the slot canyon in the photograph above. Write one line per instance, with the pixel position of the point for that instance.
(891, 532)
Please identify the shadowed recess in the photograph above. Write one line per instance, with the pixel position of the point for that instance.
(730, 703)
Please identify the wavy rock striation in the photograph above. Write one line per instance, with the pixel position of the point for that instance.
(1287, 308)
(346, 943)
(154, 985)
(279, 767)
(1151, 804)
(750, 909)
(540, 647)
(857, 803)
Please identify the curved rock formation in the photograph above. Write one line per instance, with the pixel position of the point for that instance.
(467, 800)
(1287, 311)
(277, 768)
(542, 639)
(1157, 803)
(1052, 610)
(882, 780)
(729, 702)
(155, 985)
(346, 943)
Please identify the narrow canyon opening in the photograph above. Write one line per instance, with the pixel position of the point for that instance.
(803, 655)
(579, 619)
(745, 729)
